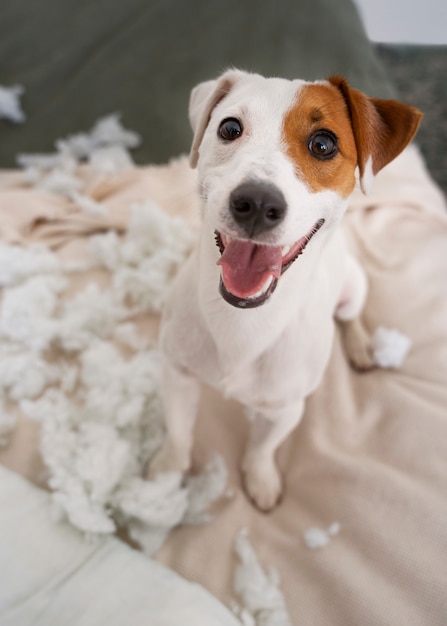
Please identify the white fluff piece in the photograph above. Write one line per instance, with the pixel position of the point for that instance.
(36, 164)
(160, 502)
(127, 335)
(155, 507)
(118, 390)
(24, 373)
(90, 314)
(148, 258)
(105, 147)
(107, 131)
(61, 182)
(92, 443)
(110, 160)
(98, 404)
(27, 312)
(17, 263)
(262, 599)
(318, 538)
(204, 489)
(10, 108)
(390, 347)
(106, 250)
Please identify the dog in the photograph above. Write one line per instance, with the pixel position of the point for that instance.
(252, 311)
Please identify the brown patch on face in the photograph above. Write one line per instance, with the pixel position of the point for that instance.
(321, 107)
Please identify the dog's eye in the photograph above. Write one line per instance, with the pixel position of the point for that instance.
(323, 144)
(230, 129)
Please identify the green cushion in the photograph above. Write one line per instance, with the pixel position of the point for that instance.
(82, 59)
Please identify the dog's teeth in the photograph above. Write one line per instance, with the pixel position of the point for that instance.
(285, 250)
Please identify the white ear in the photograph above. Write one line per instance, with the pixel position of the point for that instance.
(198, 99)
(203, 99)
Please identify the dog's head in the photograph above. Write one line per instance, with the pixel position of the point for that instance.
(277, 162)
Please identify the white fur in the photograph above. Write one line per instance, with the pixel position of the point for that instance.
(272, 357)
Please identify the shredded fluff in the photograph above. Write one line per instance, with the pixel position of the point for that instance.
(10, 108)
(27, 312)
(17, 263)
(263, 601)
(98, 404)
(105, 147)
(390, 347)
(148, 258)
(318, 537)
(204, 489)
(167, 502)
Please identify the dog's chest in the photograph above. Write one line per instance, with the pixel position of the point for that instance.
(285, 371)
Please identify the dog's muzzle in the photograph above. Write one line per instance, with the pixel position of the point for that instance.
(250, 271)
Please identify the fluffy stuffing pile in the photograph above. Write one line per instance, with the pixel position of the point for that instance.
(97, 402)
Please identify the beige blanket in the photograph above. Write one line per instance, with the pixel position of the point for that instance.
(371, 452)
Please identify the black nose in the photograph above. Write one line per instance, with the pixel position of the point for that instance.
(257, 206)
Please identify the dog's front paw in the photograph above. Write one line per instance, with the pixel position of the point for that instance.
(358, 345)
(262, 482)
(168, 459)
(361, 357)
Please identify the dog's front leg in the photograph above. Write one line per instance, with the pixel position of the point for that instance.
(261, 475)
(356, 339)
(180, 396)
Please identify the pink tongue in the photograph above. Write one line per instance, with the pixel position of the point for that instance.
(246, 266)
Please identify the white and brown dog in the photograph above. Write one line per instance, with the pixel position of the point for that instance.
(253, 315)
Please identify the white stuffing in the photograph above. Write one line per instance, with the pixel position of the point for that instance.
(90, 314)
(127, 335)
(110, 160)
(148, 257)
(10, 108)
(17, 263)
(204, 489)
(170, 502)
(105, 147)
(61, 182)
(259, 591)
(23, 372)
(100, 414)
(106, 250)
(160, 502)
(390, 347)
(27, 312)
(318, 538)
(37, 164)
(98, 403)
(107, 132)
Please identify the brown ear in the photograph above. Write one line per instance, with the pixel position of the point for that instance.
(203, 99)
(382, 129)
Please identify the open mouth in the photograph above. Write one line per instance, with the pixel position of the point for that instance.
(250, 271)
